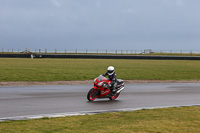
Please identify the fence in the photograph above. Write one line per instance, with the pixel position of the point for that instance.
(116, 52)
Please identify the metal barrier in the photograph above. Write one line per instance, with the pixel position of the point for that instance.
(15, 55)
(79, 56)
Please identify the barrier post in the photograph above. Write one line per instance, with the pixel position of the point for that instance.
(31, 56)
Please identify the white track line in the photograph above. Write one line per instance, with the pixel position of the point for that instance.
(28, 117)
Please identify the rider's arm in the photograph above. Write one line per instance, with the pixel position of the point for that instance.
(105, 74)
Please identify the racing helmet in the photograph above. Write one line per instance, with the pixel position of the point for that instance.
(111, 70)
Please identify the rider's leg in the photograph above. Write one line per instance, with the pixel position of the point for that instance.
(114, 88)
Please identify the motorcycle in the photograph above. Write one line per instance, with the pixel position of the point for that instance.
(102, 89)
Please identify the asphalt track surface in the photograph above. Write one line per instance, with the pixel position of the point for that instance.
(16, 101)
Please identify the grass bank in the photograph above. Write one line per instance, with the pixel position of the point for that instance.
(179, 120)
(17, 69)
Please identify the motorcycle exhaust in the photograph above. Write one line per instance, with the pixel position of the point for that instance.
(120, 90)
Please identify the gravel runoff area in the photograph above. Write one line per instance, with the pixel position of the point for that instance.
(31, 83)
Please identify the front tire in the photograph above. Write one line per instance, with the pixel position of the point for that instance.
(92, 94)
(114, 97)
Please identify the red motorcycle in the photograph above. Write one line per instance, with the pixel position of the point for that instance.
(102, 89)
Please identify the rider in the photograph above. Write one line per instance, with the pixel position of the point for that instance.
(113, 77)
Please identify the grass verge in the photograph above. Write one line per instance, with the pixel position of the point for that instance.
(180, 120)
(17, 69)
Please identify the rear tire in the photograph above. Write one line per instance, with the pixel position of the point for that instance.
(114, 97)
(92, 94)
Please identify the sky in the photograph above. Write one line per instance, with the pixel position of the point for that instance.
(100, 24)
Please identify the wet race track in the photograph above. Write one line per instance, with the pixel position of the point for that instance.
(36, 100)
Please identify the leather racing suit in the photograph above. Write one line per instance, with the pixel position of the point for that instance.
(113, 79)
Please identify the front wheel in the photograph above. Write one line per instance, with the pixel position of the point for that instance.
(92, 94)
(114, 97)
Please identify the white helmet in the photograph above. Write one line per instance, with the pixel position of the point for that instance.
(110, 70)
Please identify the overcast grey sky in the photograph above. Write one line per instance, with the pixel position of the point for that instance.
(100, 24)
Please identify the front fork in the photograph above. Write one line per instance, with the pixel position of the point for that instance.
(97, 93)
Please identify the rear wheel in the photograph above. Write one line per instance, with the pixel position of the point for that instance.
(92, 94)
(114, 97)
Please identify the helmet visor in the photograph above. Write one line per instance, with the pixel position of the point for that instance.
(110, 72)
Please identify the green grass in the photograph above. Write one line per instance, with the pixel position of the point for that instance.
(17, 69)
(178, 120)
